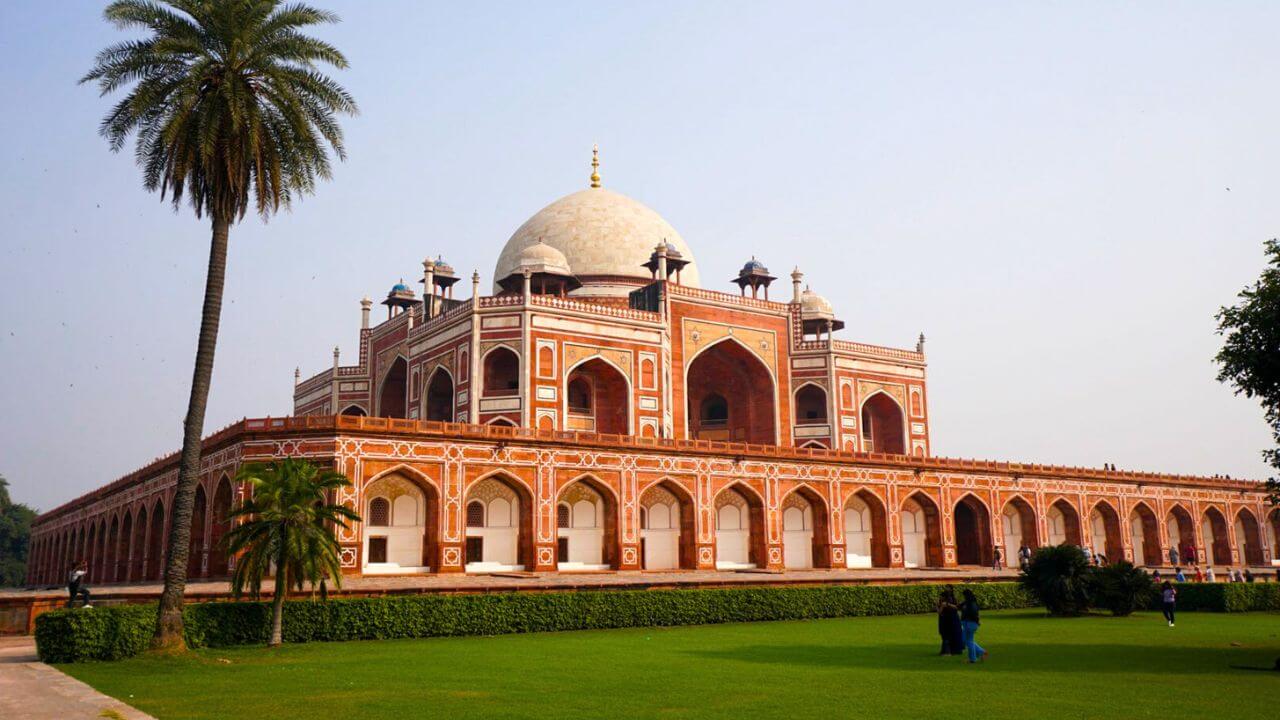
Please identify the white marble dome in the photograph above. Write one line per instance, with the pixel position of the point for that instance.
(542, 258)
(813, 305)
(602, 234)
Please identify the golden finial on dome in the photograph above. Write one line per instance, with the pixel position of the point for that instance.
(595, 166)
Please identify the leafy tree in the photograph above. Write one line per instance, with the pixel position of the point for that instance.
(15, 538)
(1058, 576)
(229, 112)
(1250, 356)
(1121, 588)
(287, 523)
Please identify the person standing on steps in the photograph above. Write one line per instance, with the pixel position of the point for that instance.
(996, 560)
(76, 585)
(1024, 556)
(969, 623)
(1173, 555)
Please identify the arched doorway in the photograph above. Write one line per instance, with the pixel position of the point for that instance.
(866, 535)
(1249, 538)
(195, 551)
(438, 402)
(596, 398)
(1144, 534)
(501, 371)
(731, 396)
(811, 405)
(399, 525)
(1018, 523)
(804, 530)
(973, 532)
(921, 532)
(110, 559)
(1063, 523)
(393, 397)
(739, 529)
(883, 425)
(666, 528)
(586, 527)
(1104, 532)
(221, 523)
(137, 567)
(155, 542)
(1180, 534)
(1217, 545)
(499, 513)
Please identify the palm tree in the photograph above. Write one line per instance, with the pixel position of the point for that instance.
(229, 111)
(286, 523)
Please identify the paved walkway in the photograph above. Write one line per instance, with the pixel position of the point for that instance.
(31, 690)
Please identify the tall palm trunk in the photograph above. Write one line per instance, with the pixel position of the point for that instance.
(277, 601)
(168, 635)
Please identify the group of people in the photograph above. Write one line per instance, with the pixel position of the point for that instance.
(1234, 575)
(958, 623)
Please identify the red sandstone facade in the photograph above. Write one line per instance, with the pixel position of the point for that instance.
(600, 412)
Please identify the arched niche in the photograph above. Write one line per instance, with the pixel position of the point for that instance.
(499, 521)
(742, 386)
(667, 532)
(393, 393)
(401, 527)
(883, 425)
(866, 531)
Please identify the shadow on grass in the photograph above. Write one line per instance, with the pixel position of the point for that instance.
(1040, 657)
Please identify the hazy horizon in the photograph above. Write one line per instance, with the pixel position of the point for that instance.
(1059, 197)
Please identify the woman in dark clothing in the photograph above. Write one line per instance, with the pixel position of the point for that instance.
(949, 623)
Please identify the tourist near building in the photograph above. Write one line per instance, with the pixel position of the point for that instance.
(605, 402)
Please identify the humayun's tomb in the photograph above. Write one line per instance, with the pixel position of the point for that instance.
(600, 409)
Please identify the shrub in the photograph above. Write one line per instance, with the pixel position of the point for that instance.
(1121, 588)
(111, 633)
(1058, 577)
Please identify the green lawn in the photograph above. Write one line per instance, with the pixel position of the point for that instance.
(869, 667)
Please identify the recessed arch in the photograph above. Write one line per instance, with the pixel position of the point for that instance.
(740, 527)
(668, 526)
(137, 566)
(505, 540)
(354, 410)
(805, 531)
(1181, 534)
(1063, 521)
(1104, 531)
(393, 390)
(1018, 525)
(1249, 537)
(438, 401)
(866, 530)
(155, 541)
(884, 424)
(408, 501)
(1217, 544)
(732, 371)
(1144, 535)
(602, 392)
(195, 545)
(921, 525)
(500, 368)
(590, 540)
(220, 523)
(502, 421)
(1273, 529)
(973, 531)
(810, 404)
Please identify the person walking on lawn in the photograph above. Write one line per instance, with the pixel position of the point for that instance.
(969, 623)
(1168, 597)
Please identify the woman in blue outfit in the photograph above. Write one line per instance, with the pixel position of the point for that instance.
(969, 623)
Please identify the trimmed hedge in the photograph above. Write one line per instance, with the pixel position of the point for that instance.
(1224, 597)
(113, 633)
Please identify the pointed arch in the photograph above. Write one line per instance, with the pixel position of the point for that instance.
(1180, 533)
(354, 410)
(137, 559)
(1217, 544)
(1104, 531)
(884, 424)
(729, 369)
(973, 531)
(1018, 526)
(155, 541)
(810, 404)
(1273, 529)
(411, 540)
(681, 526)
(500, 368)
(921, 524)
(740, 532)
(505, 540)
(1063, 521)
(438, 398)
(196, 550)
(393, 389)
(591, 536)
(602, 393)
(1144, 535)
(814, 530)
(1249, 537)
(866, 530)
(220, 523)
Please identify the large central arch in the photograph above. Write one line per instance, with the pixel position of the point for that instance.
(973, 532)
(731, 396)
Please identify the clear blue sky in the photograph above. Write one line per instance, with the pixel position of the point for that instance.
(1059, 195)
